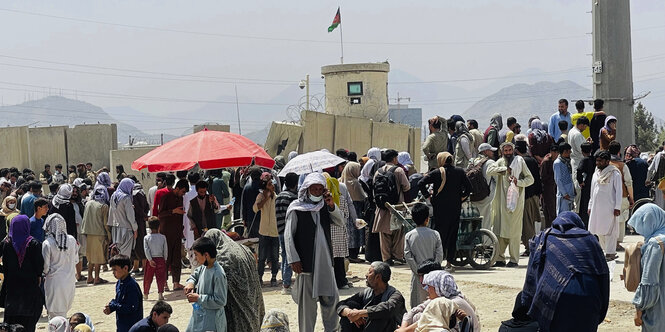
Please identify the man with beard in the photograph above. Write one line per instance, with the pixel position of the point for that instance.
(170, 224)
(531, 197)
(309, 251)
(379, 307)
(605, 203)
(565, 189)
(509, 169)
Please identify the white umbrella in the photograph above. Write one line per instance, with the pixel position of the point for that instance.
(311, 162)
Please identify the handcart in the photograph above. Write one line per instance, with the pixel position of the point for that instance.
(476, 246)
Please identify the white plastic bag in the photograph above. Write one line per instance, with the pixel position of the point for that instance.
(511, 197)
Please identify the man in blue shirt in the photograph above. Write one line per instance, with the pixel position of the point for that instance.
(27, 202)
(563, 176)
(562, 114)
(37, 220)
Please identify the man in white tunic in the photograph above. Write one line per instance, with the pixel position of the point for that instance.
(484, 206)
(576, 139)
(60, 252)
(605, 203)
(508, 223)
(309, 251)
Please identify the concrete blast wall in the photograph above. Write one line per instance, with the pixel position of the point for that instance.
(25, 147)
(14, 147)
(91, 143)
(318, 132)
(391, 136)
(353, 134)
(48, 145)
(125, 158)
(279, 133)
(333, 132)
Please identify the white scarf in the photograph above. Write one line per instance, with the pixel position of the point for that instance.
(605, 175)
(323, 279)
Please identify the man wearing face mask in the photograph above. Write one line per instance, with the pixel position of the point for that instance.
(309, 251)
(509, 169)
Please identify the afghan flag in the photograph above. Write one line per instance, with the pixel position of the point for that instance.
(336, 21)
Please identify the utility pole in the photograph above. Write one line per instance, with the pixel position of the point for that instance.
(238, 110)
(612, 64)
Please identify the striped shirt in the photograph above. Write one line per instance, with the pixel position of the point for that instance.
(282, 203)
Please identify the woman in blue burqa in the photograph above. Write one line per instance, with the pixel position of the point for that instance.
(567, 286)
(649, 221)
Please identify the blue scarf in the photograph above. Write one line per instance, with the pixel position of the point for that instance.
(556, 255)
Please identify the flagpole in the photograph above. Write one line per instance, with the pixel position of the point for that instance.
(341, 40)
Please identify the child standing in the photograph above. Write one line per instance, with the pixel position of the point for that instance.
(127, 304)
(206, 289)
(156, 253)
(421, 244)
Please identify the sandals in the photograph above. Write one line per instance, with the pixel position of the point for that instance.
(101, 282)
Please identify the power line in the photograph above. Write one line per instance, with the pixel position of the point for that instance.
(131, 96)
(211, 34)
(142, 77)
(290, 82)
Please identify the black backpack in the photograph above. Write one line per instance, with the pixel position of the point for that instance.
(479, 187)
(385, 187)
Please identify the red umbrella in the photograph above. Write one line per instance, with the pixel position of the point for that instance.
(210, 149)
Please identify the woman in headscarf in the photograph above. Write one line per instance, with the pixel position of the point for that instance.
(338, 235)
(122, 218)
(451, 187)
(463, 145)
(567, 280)
(440, 284)
(649, 221)
(141, 209)
(60, 252)
(608, 133)
(539, 141)
(58, 324)
(492, 133)
(62, 205)
(244, 305)
(356, 237)
(103, 182)
(275, 321)
(23, 265)
(8, 208)
(404, 159)
(374, 155)
(372, 240)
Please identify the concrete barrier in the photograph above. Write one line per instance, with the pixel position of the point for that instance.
(14, 147)
(91, 143)
(125, 158)
(48, 145)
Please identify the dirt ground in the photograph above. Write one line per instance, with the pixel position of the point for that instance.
(493, 292)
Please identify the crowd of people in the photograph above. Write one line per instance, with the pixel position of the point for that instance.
(570, 175)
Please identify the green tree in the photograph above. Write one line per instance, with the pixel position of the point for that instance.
(646, 131)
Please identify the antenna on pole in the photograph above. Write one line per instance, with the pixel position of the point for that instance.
(238, 110)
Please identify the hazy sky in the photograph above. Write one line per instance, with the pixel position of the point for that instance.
(266, 46)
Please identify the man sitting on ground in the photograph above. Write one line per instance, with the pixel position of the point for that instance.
(379, 307)
(159, 316)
